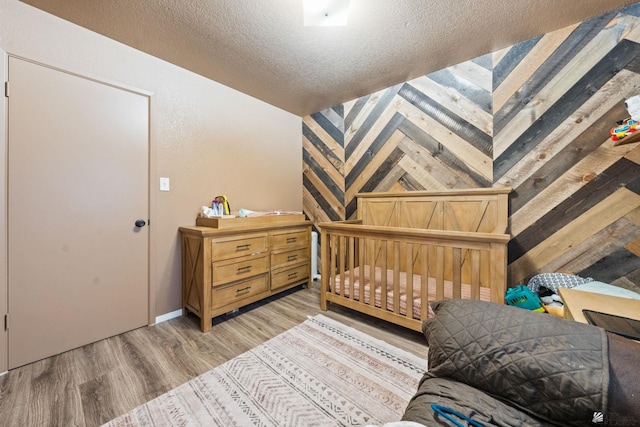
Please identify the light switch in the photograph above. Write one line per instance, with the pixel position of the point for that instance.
(164, 184)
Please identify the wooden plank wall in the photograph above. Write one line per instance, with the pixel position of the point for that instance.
(535, 117)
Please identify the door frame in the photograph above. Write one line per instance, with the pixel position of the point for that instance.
(4, 142)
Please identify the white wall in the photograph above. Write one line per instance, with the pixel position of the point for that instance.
(207, 138)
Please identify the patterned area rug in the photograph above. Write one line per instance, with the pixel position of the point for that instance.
(319, 373)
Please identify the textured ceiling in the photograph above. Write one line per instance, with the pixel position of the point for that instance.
(261, 48)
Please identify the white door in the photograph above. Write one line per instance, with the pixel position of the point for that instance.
(78, 170)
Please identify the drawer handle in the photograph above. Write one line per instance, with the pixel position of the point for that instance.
(243, 289)
(292, 257)
(292, 275)
(291, 239)
(243, 247)
(244, 269)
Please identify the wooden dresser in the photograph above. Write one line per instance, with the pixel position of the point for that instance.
(232, 262)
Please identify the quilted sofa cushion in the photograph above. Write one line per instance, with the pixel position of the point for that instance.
(549, 367)
(467, 400)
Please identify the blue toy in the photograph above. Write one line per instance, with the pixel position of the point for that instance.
(523, 297)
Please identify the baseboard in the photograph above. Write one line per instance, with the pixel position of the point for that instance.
(168, 316)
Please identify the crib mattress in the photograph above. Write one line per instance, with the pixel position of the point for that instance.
(363, 288)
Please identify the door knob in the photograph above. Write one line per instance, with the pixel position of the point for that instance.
(140, 223)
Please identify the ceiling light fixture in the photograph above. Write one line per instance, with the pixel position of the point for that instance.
(325, 13)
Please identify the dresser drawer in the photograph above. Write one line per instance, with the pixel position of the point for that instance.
(299, 237)
(233, 248)
(224, 295)
(238, 268)
(284, 257)
(285, 276)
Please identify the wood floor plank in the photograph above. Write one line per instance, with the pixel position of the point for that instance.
(101, 401)
(93, 384)
(15, 397)
(54, 397)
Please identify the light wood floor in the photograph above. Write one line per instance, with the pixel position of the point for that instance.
(93, 384)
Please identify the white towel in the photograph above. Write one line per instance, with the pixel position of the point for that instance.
(633, 106)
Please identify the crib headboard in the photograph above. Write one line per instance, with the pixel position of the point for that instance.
(475, 210)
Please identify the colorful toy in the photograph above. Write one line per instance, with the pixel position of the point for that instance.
(523, 297)
(220, 206)
(623, 129)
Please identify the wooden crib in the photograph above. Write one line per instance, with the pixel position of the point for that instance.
(406, 250)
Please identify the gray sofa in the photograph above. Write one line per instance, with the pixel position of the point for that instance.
(505, 366)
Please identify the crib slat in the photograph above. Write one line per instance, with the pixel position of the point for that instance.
(475, 274)
(409, 287)
(370, 261)
(424, 285)
(361, 268)
(338, 289)
(333, 262)
(498, 269)
(456, 265)
(325, 276)
(383, 274)
(396, 277)
(349, 263)
(439, 273)
(341, 264)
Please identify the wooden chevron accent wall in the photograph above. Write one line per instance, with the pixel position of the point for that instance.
(534, 117)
